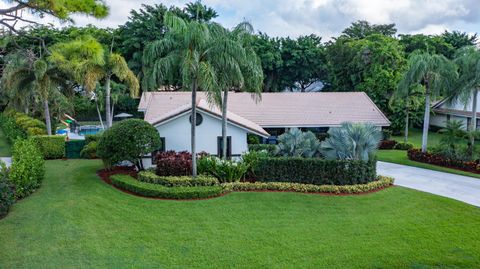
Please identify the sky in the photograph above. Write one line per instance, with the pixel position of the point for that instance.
(326, 18)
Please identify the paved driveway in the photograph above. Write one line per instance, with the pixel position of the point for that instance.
(462, 188)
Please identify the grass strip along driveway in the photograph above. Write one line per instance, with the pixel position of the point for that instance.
(77, 220)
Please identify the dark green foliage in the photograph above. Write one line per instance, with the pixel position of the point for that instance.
(18, 125)
(7, 191)
(172, 181)
(51, 146)
(92, 138)
(259, 147)
(90, 150)
(128, 140)
(73, 148)
(159, 191)
(253, 139)
(459, 39)
(315, 171)
(322, 136)
(27, 171)
(362, 29)
(426, 43)
(223, 170)
(10, 128)
(403, 146)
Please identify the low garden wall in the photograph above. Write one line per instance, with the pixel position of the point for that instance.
(315, 171)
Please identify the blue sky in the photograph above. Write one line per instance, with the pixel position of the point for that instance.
(326, 18)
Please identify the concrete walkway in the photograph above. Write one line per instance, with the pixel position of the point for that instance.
(462, 188)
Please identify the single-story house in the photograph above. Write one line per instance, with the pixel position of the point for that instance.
(445, 110)
(170, 113)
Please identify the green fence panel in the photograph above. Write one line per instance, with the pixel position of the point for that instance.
(73, 148)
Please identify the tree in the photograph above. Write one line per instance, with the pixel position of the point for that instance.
(240, 69)
(198, 11)
(303, 62)
(60, 9)
(468, 62)
(269, 51)
(426, 43)
(436, 74)
(129, 140)
(361, 29)
(89, 63)
(193, 49)
(408, 102)
(459, 39)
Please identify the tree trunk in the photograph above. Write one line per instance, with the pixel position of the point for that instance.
(473, 124)
(426, 120)
(193, 125)
(112, 113)
(99, 114)
(47, 117)
(224, 124)
(107, 102)
(407, 116)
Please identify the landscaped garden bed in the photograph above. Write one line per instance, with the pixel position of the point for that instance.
(440, 160)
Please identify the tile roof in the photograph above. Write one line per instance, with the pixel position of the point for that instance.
(319, 109)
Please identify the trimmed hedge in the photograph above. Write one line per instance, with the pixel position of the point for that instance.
(259, 147)
(18, 125)
(92, 138)
(315, 171)
(404, 146)
(7, 191)
(128, 183)
(89, 151)
(51, 146)
(27, 171)
(380, 183)
(172, 181)
(387, 144)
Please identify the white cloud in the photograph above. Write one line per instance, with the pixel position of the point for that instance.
(323, 17)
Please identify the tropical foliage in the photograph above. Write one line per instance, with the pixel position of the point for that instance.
(296, 143)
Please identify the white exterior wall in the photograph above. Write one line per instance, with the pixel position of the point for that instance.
(440, 120)
(177, 134)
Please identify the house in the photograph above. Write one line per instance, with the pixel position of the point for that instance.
(446, 110)
(271, 115)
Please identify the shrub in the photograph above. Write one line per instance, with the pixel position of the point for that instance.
(438, 159)
(171, 163)
(386, 134)
(128, 183)
(296, 143)
(11, 130)
(92, 138)
(322, 136)
(379, 183)
(315, 171)
(51, 146)
(7, 191)
(253, 139)
(259, 147)
(128, 140)
(387, 144)
(89, 151)
(18, 125)
(251, 159)
(223, 170)
(404, 146)
(27, 171)
(355, 141)
(169, 181)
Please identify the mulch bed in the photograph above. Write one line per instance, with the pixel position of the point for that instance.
(130, 170)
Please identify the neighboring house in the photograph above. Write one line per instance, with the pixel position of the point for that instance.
(444, 111)
(170, 113)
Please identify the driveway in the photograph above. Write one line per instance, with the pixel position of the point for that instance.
(462, 188)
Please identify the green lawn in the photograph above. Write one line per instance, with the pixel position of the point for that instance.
(415, 137)
(5, 150)
(76, 220)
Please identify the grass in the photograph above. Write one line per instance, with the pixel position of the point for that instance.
(76, 220)
(5, 149)
(415, 137)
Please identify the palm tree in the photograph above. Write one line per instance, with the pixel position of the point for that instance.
(411, 100)
(468, 61)
(436, 74)
(38, 74)
(89, 63)
(240, 70)
(194, 50)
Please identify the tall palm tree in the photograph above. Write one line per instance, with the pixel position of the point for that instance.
(38, 74)
(411, 100)
(436, 74)
(242, 71)
(468, 61)
(194, 50)
(89, 64)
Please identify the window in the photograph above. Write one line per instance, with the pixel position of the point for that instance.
(198, 119)
(161, 149)
(220, 146)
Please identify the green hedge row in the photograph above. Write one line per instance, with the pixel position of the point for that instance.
(381, 182)
(51, 146)
(18, 125)
(315, 171)
(179, 181)
(27, 171)
(128, 183)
